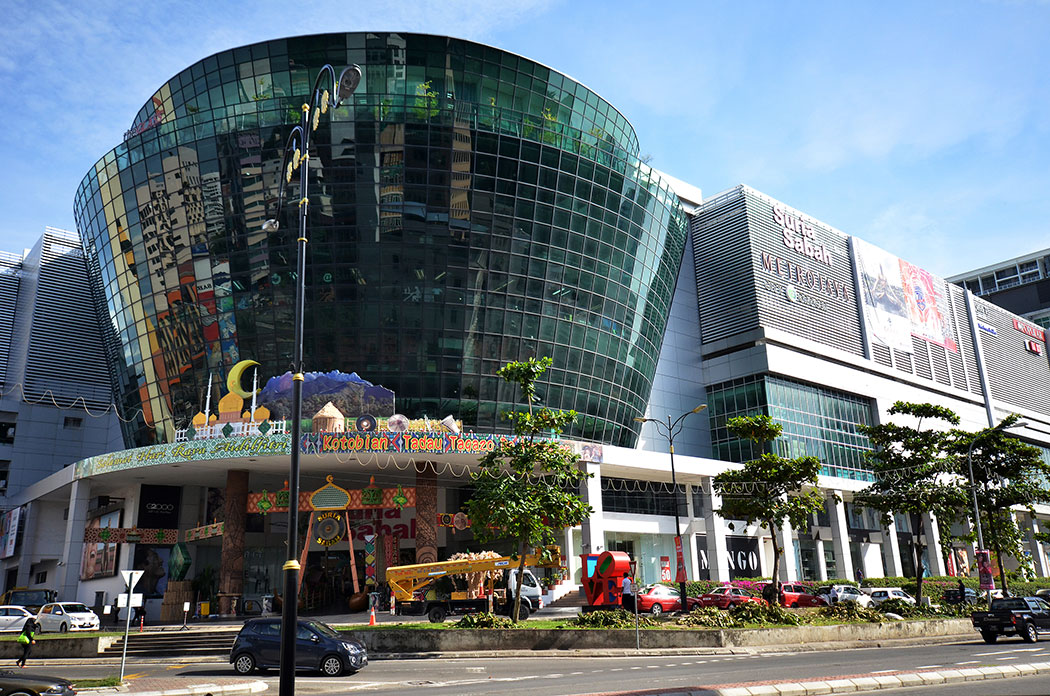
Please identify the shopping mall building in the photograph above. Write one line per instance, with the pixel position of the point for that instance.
(469, 207)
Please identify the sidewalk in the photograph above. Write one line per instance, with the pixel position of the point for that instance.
(228, 686)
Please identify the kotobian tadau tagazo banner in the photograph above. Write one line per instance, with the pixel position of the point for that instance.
(412, 443)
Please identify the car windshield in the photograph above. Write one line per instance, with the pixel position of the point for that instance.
(76, 608)
(324, 629)
(29, 597)
(1013, 603)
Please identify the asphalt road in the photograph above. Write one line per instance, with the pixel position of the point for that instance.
(567, 675)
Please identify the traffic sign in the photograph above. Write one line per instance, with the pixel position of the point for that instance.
(131, 577)
(122, 600)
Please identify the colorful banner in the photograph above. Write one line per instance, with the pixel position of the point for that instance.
(129, 535)
(900, 300)
(984, 570)
(206, 532)
(199, 450)
(266, 502)
(680, 574)
(9, 532)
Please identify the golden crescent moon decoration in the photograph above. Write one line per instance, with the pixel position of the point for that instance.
(233, 380)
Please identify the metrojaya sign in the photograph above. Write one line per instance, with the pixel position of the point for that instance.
(421, 443)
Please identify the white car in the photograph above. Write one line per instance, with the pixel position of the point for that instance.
(13, 618)
(66, 616)
(844, 593)
(881, 594)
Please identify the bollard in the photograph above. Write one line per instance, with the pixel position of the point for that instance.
(142, 622)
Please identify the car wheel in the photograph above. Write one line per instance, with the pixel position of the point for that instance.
(437, 614)
(793, 606)
(1030, 634)
(523, 611)
(244, 664)
(332, 665)
(19, 693)
(656, 610)
(989, 637)
(63, 628)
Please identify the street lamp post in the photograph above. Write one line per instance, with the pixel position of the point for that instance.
(973, 483)
(669, 430)
(297, 156)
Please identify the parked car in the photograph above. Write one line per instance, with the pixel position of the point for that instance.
(881, 594)
(66, 616)
(13, 618)
(1026, 617)
(951, 596)
(797, 595)
(656, 599)
(1044, 593)
(726, 597)
(34, 684)
(846, 593)
(318, 647)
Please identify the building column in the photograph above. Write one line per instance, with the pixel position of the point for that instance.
(840, 535)
(593, 528)
(1030, 525)
(896, 568)
(231, 570)
(68, 579)
(788, 567)
(717, 549)
(426, 515)
(822, 562)
(689, 540)
(933, 544)
(572, 560)
(29, 536)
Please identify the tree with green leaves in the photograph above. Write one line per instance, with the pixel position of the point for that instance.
(912, 467)
(1007, 474)
(770, 489)
(527, 488)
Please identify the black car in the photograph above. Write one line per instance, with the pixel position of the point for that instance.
(317, 646)
(34, 685)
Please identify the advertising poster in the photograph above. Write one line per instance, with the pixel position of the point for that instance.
(153, 561)
(900, 300)
(100, 560)
(882, 296)
(927, 306)
(9, 532)
(984, 570)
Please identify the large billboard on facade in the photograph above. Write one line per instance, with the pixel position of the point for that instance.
(100, 560)
(901, 300)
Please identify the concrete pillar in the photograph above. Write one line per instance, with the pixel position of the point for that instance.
(31, 511)
(785, 539)
(231, 570)
(893, 555)
(822, 562)
(840, 536)
(871, 560)
(572, 557)
(1031, 528)
(933, 544)
(715, 526)
(426, 515)
(689, 536)
(68, 575)
(593, 528)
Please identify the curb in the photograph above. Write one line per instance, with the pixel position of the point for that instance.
(855, 684)
(204, 689)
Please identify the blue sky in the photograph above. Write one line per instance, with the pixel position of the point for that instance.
(923, 127)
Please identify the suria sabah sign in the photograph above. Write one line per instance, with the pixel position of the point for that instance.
(800, 235)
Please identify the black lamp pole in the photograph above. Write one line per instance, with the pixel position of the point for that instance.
(669, 430)
(298, 147)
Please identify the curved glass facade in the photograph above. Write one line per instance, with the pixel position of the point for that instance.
(468, 207)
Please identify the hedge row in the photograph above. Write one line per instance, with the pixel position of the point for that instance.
(931, 587)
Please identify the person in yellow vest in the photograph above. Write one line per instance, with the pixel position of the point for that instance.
(27, 639)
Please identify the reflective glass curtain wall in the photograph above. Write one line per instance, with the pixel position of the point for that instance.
(469, 207)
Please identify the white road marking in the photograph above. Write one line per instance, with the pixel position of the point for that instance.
(968, 662)
(927, 666)
(1014, 657)
(884, 671)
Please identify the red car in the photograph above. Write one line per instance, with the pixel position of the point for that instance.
(656, 599)
(726, 597)
(798, 596)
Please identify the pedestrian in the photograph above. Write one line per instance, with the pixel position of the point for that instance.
(860, 576)
(27, 638)
(834, 594)
(627, 589)
(962, 592)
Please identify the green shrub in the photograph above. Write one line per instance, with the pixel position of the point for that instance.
(902, 608)
(762, 613)
(484, 619)
(850, 611)
(617, 618)
(708, 617)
